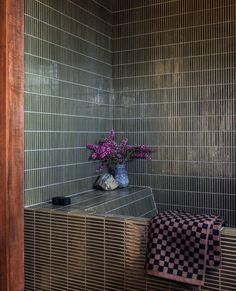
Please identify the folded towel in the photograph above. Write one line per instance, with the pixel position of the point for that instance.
(181, 245)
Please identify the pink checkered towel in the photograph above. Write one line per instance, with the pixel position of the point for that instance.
(182, 245)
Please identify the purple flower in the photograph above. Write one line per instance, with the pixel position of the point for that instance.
(94, 156)
(123, 145)
(91, 147)
(109, 152)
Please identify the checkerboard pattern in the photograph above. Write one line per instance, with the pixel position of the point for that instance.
(181, 245)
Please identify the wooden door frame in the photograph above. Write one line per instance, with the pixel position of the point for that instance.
(11, 145)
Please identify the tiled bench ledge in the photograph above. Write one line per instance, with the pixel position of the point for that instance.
(80, 248)
(130, 201)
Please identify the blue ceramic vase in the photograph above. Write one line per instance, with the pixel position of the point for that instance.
(121, 175)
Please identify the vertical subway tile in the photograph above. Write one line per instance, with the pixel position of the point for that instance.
(68, 94)
(174, 83)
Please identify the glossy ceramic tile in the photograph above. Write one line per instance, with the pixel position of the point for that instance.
(174, 81)
(130, 201)
(68, 94)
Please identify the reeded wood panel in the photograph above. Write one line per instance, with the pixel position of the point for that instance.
(174, 78)
(81, 252)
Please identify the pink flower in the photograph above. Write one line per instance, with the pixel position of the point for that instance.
(123, 145)
(109, 152)
(94, 156)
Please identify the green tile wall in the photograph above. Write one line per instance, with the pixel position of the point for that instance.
(68, 93)
(162, 72)
(174, 80)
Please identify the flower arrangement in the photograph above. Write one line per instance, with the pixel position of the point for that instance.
(111, 153)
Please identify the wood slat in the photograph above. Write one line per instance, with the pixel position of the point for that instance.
(11, 145)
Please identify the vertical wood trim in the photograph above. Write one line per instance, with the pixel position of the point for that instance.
(11, 145)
